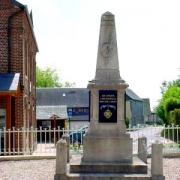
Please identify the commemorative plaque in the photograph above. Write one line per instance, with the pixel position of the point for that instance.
(108, 106)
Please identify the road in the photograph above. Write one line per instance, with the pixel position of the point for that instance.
(153, 134)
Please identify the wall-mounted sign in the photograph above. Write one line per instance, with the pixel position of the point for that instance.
(107, 106)
(78, 111)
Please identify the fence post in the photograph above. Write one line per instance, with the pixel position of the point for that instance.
(157, 162)
(9, 141)
(61, 160)
(142, 149)
(14, 133)
(4, 140)
(58, 138)
(18, 144)
(24, 140)
(27, 131)
(177, 138)
(172, 126)
(54, 136)
(169, 132)
(35, 138)
(40, 138)
(50, 134)
(32, 141)
(164, 128)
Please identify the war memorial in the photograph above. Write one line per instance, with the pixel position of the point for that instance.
(107, 147)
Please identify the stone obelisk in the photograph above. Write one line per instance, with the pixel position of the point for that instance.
(106, 140)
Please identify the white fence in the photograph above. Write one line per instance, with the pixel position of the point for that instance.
(167, 135)
(35, 141)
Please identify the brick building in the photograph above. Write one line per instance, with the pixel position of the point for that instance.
(18, 48)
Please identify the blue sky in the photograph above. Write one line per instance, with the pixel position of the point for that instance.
(148, 37)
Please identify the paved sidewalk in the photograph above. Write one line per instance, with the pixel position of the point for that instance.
(44, 169)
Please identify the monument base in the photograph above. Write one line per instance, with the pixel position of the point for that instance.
(116, 149)
(136, 167)
(78, 170)
(107, 177)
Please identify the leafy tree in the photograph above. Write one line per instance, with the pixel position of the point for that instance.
(169, 102)
(165, 85)
(175, 116)
(160, 112)
(69, 84)
(49, 78)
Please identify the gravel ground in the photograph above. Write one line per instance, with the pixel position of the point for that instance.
(171, 168)
(44, 169)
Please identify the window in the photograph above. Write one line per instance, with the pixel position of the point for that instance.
(46, 124)
(2, 118)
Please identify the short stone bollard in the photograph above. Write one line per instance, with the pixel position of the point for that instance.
(66, 138)
(142, 149)
(61, 160)
(157, 162)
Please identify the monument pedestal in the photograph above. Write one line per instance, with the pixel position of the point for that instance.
(80, 170)
(107, 149)
(136, 167)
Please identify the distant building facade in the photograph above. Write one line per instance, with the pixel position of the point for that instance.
(18, 48)
(77, 102)
(75, 99)
(154, 119)
(52, 116)
(134, 108)
(146, 109)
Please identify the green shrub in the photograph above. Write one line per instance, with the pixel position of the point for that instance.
(177, 116)
(174, 117)
(169, 102)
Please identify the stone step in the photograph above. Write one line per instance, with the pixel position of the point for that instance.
(104, 176)
(137, 167)
(105, 168)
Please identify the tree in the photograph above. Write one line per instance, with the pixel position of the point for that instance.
(69, 84)
(169, 104)
(49, 78)
(165, 85)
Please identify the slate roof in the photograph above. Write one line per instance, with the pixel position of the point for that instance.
(132, 95)
(71, 97)
(46, 112)
(9, 82)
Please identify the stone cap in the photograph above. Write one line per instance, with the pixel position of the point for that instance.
(107, 19)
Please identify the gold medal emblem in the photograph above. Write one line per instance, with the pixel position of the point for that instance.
(107, 114)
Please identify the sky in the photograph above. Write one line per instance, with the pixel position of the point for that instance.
(148, 38)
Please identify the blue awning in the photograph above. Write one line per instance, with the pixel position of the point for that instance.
(9, 82)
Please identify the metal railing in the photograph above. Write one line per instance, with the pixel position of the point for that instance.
(42, 141)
